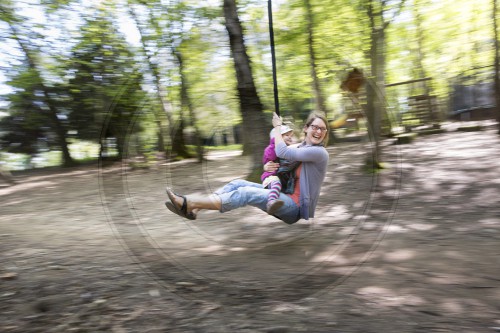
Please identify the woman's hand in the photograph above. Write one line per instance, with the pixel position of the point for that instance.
(271, 166)
(277, 121)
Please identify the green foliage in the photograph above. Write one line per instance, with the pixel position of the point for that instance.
(27, 128)
(105, 85)
(95, 80)
(53, 5)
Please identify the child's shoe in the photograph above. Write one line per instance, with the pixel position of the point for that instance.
(273, 206)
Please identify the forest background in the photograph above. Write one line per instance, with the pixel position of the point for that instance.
(118, 79)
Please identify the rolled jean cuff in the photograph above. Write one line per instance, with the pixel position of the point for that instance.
(240, 193)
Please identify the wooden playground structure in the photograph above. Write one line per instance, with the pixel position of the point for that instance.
(416, 106)
(422, 105)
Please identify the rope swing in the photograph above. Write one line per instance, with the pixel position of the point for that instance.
(273, 58)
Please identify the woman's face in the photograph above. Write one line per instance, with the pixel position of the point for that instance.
(315, 132)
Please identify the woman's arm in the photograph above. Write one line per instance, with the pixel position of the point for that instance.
(304, 154)
(277, 122)
(309, 154)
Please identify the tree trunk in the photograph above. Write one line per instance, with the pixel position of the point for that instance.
(373, 90)
(159, 136)
(497, 63)
(178, 142)
(61, 133)
(255, 134)
(318, 94)
(52, 110)
(376, 111)
(6, 176)
(419, 56)
(186, 103)
(420, 71)
(175, 132)
(373, 158)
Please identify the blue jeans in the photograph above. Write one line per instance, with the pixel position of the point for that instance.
(239, 193)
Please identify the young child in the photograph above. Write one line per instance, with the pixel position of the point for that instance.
(271, 180)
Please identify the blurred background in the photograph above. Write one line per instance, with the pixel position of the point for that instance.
(160, 80)
(154, 86)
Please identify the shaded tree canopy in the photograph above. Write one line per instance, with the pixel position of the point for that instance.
(75, 71)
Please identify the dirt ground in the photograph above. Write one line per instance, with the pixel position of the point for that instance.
(415, 248)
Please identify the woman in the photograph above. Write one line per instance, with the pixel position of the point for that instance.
(238, 193)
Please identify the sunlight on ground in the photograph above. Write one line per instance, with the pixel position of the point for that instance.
(26, 186)
(421, 226)
(400, 255)
(384, 297)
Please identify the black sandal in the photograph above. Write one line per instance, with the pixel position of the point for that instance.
(172, 206)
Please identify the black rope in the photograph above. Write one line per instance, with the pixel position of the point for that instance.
(273, 57)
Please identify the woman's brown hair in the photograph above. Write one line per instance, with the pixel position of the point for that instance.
(315, 115)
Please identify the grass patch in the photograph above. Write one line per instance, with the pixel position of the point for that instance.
(224, 148)
(430, 131)
(470, 128)
(405, 138)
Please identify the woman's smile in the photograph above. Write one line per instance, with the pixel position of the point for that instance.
(316, 132)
